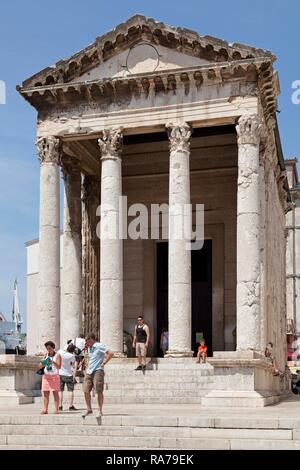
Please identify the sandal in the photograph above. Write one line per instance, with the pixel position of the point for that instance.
(43, 412)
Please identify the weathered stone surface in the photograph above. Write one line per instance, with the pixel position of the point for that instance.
(179, 253)
(248, 226)
(49, 252)
(111, 244)
(71, 307)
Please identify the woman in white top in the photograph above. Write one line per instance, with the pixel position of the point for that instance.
(51, 380)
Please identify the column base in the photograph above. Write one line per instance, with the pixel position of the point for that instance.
(179, 354)
(244, 379)
(241, 399)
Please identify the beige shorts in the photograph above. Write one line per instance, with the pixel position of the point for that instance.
(141, 349)
(96, 380)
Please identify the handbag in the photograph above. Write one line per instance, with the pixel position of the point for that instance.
(41, 371)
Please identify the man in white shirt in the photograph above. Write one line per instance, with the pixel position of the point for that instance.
(79, 344)
(66, 373)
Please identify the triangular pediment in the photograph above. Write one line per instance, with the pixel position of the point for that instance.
(142, 58)
(142, 45)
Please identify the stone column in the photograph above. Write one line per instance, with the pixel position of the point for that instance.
(111, 242)
(179, 255)
(91, 255)
(49, 242)
(71, 308)
(248, 235)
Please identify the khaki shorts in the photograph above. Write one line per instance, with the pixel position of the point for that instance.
(141, 349)
(94, 380)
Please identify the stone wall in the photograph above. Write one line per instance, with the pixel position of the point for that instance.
(293, 250)
(275, 270)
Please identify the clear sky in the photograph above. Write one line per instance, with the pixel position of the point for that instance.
(35, 34)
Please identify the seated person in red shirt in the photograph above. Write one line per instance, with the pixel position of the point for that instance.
(202, 352)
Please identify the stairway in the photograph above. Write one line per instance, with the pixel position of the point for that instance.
(150, 427)
(178, 381)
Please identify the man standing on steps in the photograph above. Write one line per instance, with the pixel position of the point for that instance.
(99, 355)
(141, 342)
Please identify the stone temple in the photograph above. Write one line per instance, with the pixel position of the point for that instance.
(163, 115)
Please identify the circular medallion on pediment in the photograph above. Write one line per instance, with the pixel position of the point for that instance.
(142, 58)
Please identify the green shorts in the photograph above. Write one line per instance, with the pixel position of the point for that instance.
(68, 381)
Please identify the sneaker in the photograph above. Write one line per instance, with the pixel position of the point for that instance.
(139, 368)
(99, 414)
(60, 408)
(72, 408)
(87, 413)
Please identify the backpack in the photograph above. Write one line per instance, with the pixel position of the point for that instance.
(77, 350)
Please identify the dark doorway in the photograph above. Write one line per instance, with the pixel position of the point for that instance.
(201, 293)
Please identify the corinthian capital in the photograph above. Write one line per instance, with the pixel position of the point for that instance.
(111, 142)
(249, 129)
(179, 136)
(49, 149)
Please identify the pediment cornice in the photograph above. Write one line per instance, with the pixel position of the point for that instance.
(256, 71)
(131, 32)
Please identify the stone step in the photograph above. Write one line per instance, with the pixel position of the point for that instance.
(161, 367)
(149, 393)
(168, 419)
(154, 382)
(167, 372)
(159, 361)
(208, 444)
(157, 378)
(140, 398)
(69, 440)
(163, 387)
(138, 442)
(37, 447)
(148, 431)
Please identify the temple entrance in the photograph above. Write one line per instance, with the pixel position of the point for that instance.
(201, 294)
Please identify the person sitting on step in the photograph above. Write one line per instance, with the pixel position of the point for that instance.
(270, 356)
(202, 352)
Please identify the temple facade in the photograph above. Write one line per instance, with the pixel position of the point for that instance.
(155, 115)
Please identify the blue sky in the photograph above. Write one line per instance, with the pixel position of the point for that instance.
(36, 34)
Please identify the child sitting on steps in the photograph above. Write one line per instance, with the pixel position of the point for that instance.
(202, 352)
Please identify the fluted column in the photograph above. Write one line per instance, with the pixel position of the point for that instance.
(179, 254)
(91, 255)
(248, 234)
(111, 243)
(49, 242)
(71, 308)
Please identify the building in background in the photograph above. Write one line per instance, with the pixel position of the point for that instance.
(11, 339)
(293, 262)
